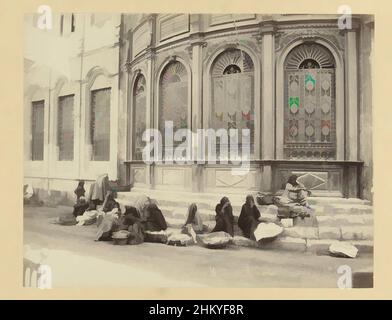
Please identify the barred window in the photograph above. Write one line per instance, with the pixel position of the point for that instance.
(173, 99)
(66, 128)
(37, 130)
(100, 124)
(309, 114)
(232, 99)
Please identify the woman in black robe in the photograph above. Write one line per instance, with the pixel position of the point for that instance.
(79, 191)
(224, 217)
(154, 219)
(248, 220)
(81, 204)
(129, 220)
(109, 203)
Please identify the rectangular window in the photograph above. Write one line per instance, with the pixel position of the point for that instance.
(72, 23)
(37, 130)
(61, 24)
(100, 124)
(66, 128)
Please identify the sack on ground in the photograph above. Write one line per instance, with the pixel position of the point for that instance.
(215, 240)
(267, 230)
(292, 211)
(156, 236)
(341, 249)
(179, 239)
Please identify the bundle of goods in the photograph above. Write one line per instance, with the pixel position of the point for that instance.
(267, 231)
(179, 239)
(215, 240)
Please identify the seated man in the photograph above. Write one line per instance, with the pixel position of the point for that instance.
(295, 192)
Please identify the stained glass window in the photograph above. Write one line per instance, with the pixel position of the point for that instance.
(100, 124)
(65, 127)
(37, 130)
(139, 116)
(309, 114)
(232, 100)
(173, 97)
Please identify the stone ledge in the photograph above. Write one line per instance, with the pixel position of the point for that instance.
(344, 219)
(319, 246)
(357, 232)
(364, 246)
(301, 232)
(329, 233)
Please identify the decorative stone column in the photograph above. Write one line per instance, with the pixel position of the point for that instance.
(196, 52)
(267, 138)
(351, 75)
(150, 109)
(268, 92)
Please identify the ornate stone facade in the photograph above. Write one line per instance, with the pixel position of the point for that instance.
(267, 40)
(174, 55)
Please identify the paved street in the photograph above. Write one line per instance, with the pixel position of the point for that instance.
(78, 261)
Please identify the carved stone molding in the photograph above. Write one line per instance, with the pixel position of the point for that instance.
(127, 66)
(284, 37)
(251, 43)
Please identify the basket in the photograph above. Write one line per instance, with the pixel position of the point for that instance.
(120, 242)
(120, 237)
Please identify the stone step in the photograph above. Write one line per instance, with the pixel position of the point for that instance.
(238, 196)
(337, 220)
(337, 208)
(342, 219)
(301, 232)
(351, 232)
(181, 211)
(333, 206)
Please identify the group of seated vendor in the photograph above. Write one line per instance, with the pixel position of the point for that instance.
(145, 214)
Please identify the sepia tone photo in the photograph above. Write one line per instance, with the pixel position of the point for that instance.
(198, 150)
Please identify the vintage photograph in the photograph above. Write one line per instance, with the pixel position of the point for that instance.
(198, 150)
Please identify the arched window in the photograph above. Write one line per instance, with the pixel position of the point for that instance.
(232, 99)
(173, 97)
(309, 113)
(100, 119)
(139, 115)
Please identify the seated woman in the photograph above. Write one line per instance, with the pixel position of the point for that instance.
(249, 218)
(79, 191)
(112, 222)
(193, 219)
(81, 204)
(153, 219)
(193, 223)
(224, 217)
(80, 207)
(98, 191)
(110, 205)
